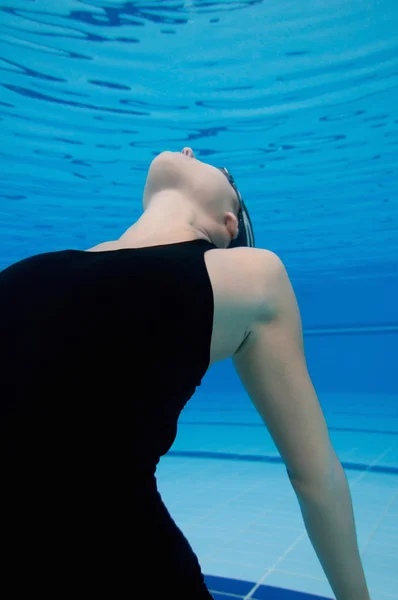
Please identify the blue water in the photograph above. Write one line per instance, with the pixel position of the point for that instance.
(300, 102)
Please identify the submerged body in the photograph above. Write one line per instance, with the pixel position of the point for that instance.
(105, 347)
(101, 351)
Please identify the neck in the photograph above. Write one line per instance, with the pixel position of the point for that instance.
(170, 219)
(143, 233)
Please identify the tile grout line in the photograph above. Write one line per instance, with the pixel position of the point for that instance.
(271, 569)
(372, 464)
(383, 514)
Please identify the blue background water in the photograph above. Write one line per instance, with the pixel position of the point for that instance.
(300, 102)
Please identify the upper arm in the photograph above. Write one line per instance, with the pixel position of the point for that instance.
(272, 367)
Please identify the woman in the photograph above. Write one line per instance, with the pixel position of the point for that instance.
(104, 347)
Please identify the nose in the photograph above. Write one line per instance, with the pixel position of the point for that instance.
(188, 152)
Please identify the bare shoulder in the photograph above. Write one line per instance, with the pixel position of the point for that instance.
(243, 282)
(255, 262)
(272, 366)
(254, 256)
(258, 262)
(264, 275)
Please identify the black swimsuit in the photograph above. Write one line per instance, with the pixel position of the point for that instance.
(100, 353)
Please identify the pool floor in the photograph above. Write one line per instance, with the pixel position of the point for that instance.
(225, 486)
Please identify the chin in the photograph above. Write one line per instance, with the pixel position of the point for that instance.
(172, 154)
(169, 162)
(165, 157)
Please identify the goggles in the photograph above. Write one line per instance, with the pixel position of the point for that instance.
(245, 236)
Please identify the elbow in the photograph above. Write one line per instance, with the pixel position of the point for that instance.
(326, 476)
